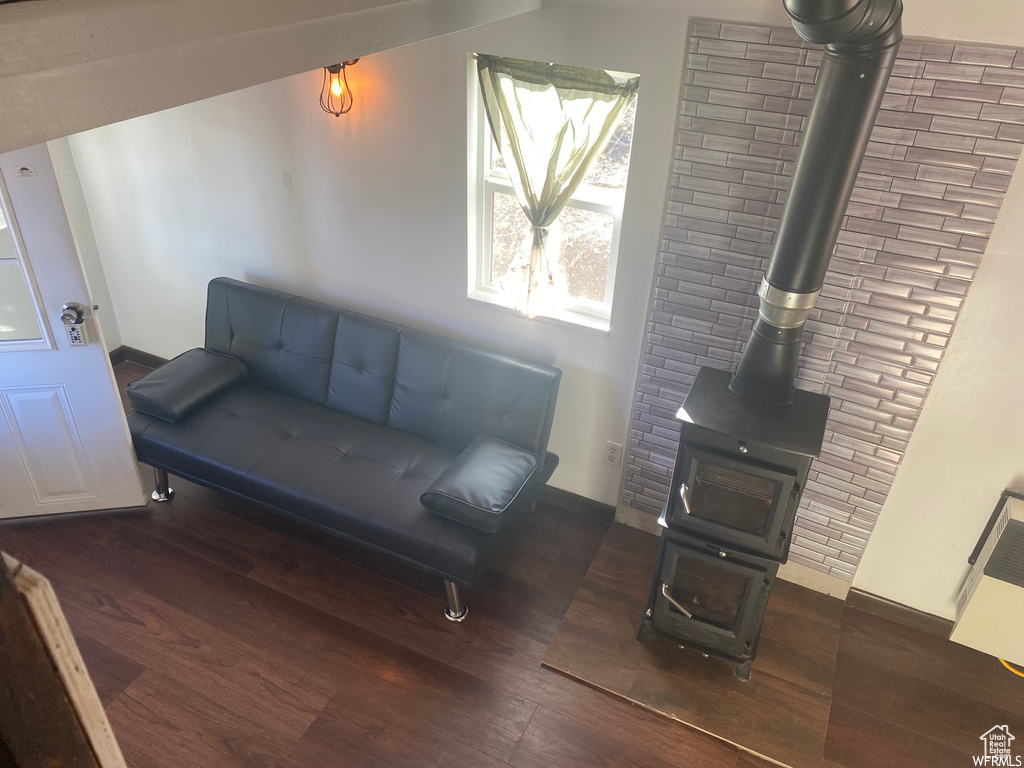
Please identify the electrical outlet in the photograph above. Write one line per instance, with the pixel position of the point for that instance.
(76, 335)
(613, 454)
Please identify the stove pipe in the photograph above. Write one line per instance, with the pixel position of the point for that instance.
(861, 38)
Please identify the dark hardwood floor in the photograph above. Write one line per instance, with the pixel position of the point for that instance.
(221, 635)
(831, 685)
(781, 712)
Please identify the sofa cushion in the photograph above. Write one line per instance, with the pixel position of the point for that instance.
(176, 388)
(286, 342)
(483, 483)
(452, 392)
(354, 479)
(363, 367)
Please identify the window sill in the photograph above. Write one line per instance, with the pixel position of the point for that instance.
(558, 317)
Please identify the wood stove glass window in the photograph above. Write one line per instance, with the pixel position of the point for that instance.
(709, 592)
(735, 499)
(710, 598)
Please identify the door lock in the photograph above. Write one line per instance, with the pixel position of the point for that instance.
(72, 314)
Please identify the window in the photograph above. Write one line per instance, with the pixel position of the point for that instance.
(20, 320)
(583, 244)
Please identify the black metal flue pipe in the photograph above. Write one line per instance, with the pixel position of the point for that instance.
(861, 38)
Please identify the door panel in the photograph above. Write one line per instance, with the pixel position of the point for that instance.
(48, 443)
(64, 443)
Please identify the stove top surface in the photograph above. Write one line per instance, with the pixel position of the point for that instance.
(797, 428)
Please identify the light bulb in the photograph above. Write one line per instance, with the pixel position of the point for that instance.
(335, 86)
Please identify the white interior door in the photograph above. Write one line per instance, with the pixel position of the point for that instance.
(64, 442)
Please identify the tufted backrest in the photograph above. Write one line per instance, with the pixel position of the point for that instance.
(421, 383)
(287, 342)
(451, 392)
(363, 371)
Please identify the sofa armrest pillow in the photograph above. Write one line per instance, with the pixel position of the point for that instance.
(182, 384)
(482, 483)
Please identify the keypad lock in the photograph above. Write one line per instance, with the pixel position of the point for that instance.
(72, 315)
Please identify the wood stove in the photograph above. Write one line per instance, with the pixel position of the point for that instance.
(747, 439)
(740, 470)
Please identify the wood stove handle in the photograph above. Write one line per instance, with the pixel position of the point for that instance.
(672, 600)
(686, 502)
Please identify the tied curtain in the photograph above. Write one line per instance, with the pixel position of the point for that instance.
(550, 122)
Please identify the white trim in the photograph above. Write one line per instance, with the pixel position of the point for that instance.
(495, 300)
(23, 345)
(474, 150)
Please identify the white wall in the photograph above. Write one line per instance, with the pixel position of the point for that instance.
(982, 21)
(77, 211)
(369, 210)
(968, 445)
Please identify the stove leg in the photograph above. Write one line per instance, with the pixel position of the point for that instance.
(456, 610)
(743, 670)
(163, 491)
(644, 634)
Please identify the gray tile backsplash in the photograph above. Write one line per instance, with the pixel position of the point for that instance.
(940, 159)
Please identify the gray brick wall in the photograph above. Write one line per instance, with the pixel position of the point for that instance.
(940, 159)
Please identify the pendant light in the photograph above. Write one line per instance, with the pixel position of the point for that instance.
(336, 95)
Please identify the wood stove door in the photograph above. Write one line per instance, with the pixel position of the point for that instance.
(725, 598)
(737, 502)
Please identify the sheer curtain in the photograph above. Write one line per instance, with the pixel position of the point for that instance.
(549, 122)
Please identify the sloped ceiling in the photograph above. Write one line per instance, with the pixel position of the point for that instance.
(72, 65)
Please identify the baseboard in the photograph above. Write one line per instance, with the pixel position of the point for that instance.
(118, 356)
(634, 518)
(901, 614)
(576, 503)
(13, 522)
(125, 354)
(826, 583)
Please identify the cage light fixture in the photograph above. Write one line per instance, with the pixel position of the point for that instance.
(335, 94)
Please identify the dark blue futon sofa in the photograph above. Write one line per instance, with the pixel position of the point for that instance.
(415, 445)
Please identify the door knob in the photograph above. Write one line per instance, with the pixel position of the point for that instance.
(72, 314)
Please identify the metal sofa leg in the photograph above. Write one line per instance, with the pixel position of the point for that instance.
(456, 610)
(163, 491)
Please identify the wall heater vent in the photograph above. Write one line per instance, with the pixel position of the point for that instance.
(990, 605)
(1007, 562)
